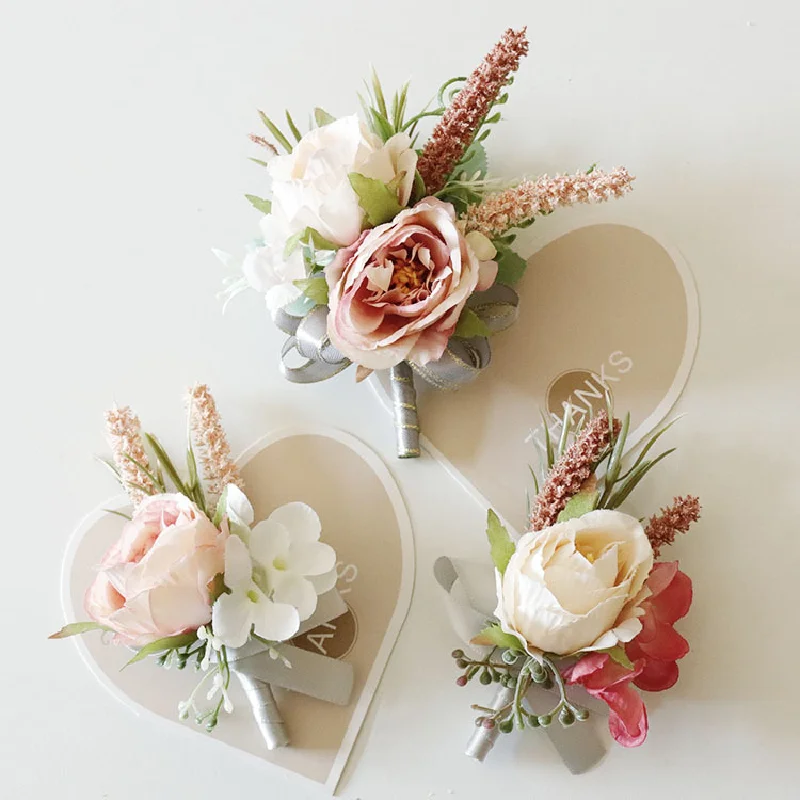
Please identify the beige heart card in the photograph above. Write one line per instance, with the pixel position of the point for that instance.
(364, 518)
(603, 308)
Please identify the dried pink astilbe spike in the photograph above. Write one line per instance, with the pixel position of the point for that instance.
(500, 211)
(210, 442)
(571, 471)
(262, 142)
(123, 431)
(456, 129)
(672, 520)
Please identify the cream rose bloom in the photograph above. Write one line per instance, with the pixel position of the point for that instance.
(311, 187)
(577, 585)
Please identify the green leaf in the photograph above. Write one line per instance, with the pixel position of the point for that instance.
(260, 162)
(315, 289)
(77, 628)
(578, 505)
(470, 324)
(495, 635)
(276, 132)
(510, 266)
(166, 462)
(376, 198)
(162, 645)
(292, 127)
(293, 242)
(264, 206)
(319, 241)
(322, 117)
(502, 548)
(617, 653)
(474, 160)
(377, 91)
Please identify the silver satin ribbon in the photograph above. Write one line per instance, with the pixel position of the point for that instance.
(462, 361)
(470, 599)
(317, 676)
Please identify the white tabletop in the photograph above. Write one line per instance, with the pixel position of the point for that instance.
(124, 161)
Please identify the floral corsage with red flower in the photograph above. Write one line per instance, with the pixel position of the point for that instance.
(584, 598)
(379, 251)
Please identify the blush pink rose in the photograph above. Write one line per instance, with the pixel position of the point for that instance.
(397, 292)
(154, 581)
(659, 645)
(610, 682)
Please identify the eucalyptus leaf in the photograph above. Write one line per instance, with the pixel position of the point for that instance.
(77, 628)
(470, 324)
(376, 198)
(502, 548)
(259, 203)
(162, 645)
(474, 160)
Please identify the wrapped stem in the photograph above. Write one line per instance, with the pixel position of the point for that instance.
(404, 400)
(482, 741)
(265, 710)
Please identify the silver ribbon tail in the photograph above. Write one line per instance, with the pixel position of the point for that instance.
(462, 361)
(404, 401)
(483, 739)
(265, 711)
(314, 675)
(470, 598)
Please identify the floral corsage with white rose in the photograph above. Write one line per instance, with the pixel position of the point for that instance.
(583, 598)
(193, 581)
(390, 254)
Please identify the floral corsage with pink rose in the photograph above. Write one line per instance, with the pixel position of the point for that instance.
(194, 581)
(583, 598)
(384, 252)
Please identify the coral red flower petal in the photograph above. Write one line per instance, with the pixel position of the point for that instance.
(657, 676)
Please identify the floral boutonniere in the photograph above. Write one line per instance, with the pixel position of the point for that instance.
(390, 254)
(195, 581)
(584, 597)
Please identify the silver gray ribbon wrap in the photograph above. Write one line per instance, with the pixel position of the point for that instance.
(311, 674)
(463, 360)
(470, 599)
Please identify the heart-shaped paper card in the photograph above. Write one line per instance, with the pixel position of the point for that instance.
(605, 305)
(364, 518)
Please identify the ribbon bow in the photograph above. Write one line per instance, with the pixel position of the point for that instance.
(317, 676)
(470, 599)
(463, 360)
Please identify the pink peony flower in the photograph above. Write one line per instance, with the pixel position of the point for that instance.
(154, 581)
(659, 645)
(397, 292)
(609, 681)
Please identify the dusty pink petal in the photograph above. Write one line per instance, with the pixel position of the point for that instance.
(430, 346)
(667, 645)
(598, 672)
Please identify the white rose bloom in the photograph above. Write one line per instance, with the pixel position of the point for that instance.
(310, 185)
(266, 269)
(577, 585)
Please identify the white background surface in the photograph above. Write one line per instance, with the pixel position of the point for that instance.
(123, 162)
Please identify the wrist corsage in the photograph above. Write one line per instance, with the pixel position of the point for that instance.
(389, 254)
(195, 582)
(582, 599)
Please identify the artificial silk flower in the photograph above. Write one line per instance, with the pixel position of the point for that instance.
(296, 565)
(248, 608)
(577, 585)
(311, 185)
